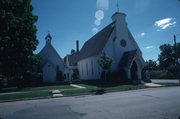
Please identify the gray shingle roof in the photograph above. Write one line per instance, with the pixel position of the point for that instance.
(95, 45)
(43, 52)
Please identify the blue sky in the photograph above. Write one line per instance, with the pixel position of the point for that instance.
(152, 22)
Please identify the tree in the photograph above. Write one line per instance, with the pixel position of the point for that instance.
(178, 50)
(17, 38)
(73, 51)
(151, 65)
(166, 57)
(105, 63)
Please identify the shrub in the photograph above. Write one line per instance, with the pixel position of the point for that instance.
(162, 75)
(31, 79)
(59, 74)
(119, 77)
(55, 83)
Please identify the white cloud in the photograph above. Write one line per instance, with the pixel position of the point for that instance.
(94, 30)
(149, 47)
(97, 22)
(142, 34)
(99, 15)
(169, 24)
(165, 23)
(102, 4)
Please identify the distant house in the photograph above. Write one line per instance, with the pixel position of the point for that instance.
(52, 63)
(118, 43)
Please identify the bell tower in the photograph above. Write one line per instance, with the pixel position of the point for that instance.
(48, 38)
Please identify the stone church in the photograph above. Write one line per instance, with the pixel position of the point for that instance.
(115, 40)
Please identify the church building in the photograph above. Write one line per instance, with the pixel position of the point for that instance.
(115, 40)
(52, 63)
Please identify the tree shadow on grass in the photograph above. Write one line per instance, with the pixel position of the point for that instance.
(99, 91)
(104, 84)
(9, 89)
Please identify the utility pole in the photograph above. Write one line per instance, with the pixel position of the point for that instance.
(176, 58)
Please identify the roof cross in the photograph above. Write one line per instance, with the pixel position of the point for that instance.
(117, 5)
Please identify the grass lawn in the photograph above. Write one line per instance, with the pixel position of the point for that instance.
(95, 89)
(48, 88)
(14, 89)
(31, 92)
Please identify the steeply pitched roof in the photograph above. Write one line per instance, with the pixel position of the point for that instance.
(43, 52)
(52, 48)
(95, 45)
(127, 58)
(133, 41)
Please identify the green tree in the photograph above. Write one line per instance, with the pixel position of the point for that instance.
(151, 65)
(167, 59)
(178, 50)
(105, 63)
(167, 56)
(73, 51)
(17, 37)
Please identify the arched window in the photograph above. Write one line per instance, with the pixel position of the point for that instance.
(82, 69)
(92, 67)
(87, 68)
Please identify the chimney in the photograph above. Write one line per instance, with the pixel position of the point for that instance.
(77, 46)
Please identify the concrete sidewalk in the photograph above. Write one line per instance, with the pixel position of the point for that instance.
(165, 80)
(152, 85)
(76, 86)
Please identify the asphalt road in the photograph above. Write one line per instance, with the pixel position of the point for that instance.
(155, 103)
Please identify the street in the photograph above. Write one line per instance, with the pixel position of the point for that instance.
(151, 103)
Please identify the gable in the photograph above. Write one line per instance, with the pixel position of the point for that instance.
(49, 54)
(131, 38)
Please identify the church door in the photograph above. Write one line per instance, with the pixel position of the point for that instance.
(134, 70)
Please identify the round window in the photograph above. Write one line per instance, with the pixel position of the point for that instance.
(123, 43)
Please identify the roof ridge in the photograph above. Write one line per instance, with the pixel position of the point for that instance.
(100, 31)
